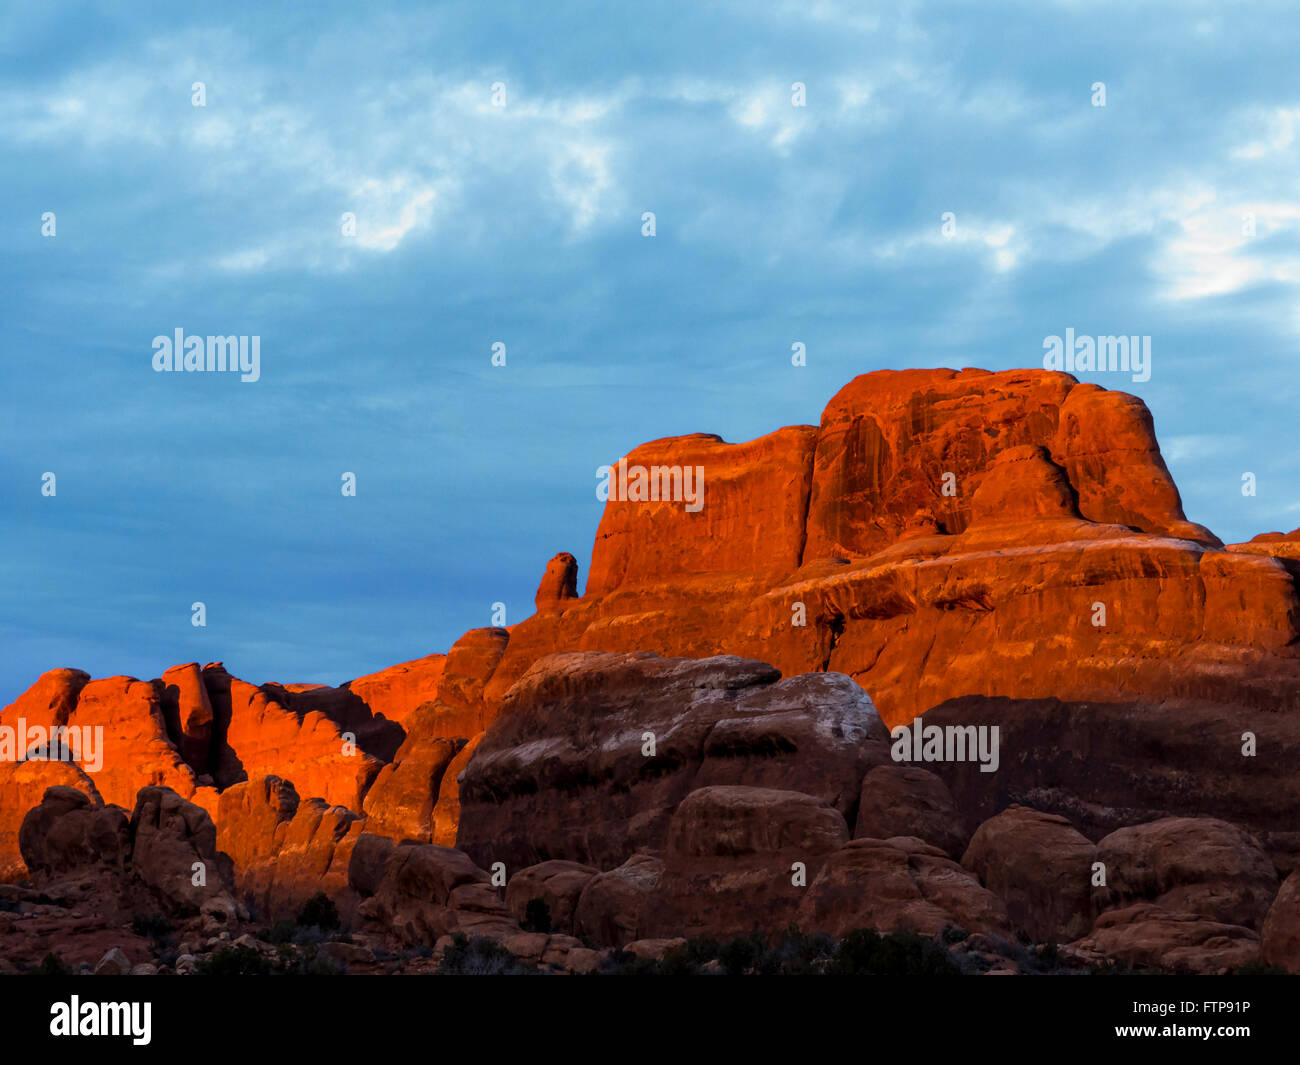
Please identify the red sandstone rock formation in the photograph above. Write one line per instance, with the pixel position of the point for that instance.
(203, 732)
(396, 691)
(559, 584)
(162, 859)
(592, 753)
(424, 892)
(559, 884)
(189, 713)
(1274, 544)
(984, 548)
(1152, 937)
(912, 886)
(1281, 932)
(942, 534)
(1042, 868)
(22, 786)
(729, 862)
(902, 800)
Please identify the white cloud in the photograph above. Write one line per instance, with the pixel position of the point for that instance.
(389, 209)
(1280, 136)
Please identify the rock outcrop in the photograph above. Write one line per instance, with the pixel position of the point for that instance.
(688, 745)
(425, 892)
(902, 800)
(1041, 867)
(593, 752)
(162, 859)
(1281, 932)
(899, 884)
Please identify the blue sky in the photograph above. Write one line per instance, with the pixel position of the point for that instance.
(521, 224)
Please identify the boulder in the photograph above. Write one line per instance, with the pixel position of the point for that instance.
(612, 905)
(22, 787)
(114, 963)
(559, 884)
(428, 891)
(898, 884)
(1281, 932)
(1040, 868)
(733, 860)
(1195, 865)
(592, 753)
(559, 584)
(72, 832)
(174, 853)
(1149, 936)
(901, 800)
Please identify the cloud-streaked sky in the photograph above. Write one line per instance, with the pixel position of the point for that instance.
(521, 224)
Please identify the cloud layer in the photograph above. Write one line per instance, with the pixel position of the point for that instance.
(1172, 211)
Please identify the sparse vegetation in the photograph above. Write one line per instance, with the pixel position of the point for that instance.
(52, 965)
(282, 931)
(152, 926)
(320, 912)
(480, 957)
(537, 916)
(862, 952)
(245, 961)
(235, 961)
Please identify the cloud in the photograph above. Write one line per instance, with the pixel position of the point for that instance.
(478, 223)
(392, 208)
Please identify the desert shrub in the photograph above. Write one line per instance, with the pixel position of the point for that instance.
(749, 954)
(235, 961)
(865, 952)
(802, 955)
(308, 963)
(152, 926)
(625, 963)
(282, 931)
(688, 959)
(537, 916)
(52, 965)
(309, 936)
(319, 911)
(479, 957)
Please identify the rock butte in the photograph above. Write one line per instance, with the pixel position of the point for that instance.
(944, 536)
